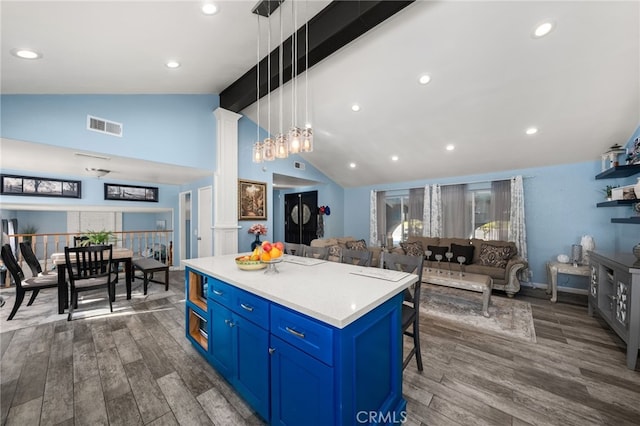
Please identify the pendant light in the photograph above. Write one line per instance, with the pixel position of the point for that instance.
(307, 133)
(282, 147)
(269, 146)
(257, 153)
(294, 133)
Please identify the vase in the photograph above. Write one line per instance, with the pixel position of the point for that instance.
(636, 251)
(256, 243)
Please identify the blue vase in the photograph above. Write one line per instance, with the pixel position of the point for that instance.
(256, 243)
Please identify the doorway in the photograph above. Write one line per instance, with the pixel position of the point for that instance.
(300, 217)
(205, 234)
(185, 225)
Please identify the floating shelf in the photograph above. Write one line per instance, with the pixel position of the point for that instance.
(626, 220)
(619, 171)
(615, 203)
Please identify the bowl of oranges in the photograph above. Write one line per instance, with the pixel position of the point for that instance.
(263, 255)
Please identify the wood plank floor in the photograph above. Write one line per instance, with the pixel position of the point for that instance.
(139, 368)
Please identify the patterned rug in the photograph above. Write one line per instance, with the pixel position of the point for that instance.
(461, 308)
(91, 304)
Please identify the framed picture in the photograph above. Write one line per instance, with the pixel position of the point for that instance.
(252, 200)
(130, 193)
(40, 186)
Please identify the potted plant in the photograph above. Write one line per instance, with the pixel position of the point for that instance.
(97, 238)
(607, 191)
(29, 230)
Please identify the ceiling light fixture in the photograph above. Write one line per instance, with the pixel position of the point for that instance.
(295, 140)
(355, 107)
(352, 165)
(394, 158)
(531, 131)
(209, 9)
(173, 64)
(450, 147)
(26, 53)
(543, 29)
(424, 79)
(97, 172)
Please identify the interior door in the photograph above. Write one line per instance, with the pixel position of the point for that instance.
(205, 235)
(301, 217)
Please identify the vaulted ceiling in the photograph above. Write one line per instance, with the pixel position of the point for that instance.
(490, 78)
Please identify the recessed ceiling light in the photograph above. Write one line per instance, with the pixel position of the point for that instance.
(352, 165)
(450, 147)
(209, 9)
(26, 53)
(424, 79)
(531, 130)
(173, 64)
(394, 158)
(543, 29)
(355, 107)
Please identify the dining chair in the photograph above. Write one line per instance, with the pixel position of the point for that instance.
(293, 249)
(33, 284)
(89, 268)
(411, 302)
(32, 260)
(315, 252)
(356, 257)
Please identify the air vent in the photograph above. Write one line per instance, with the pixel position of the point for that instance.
(104, 126)
(298, 165)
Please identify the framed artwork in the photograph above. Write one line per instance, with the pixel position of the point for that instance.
(130, 193)
(252, 200)
(40, 186)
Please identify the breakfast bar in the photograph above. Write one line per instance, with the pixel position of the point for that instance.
(316, 343)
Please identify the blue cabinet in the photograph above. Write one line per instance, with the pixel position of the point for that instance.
(294, 369)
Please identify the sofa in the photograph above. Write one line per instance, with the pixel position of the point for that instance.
(498, 259)
(336, 245)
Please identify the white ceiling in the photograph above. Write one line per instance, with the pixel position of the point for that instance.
(580, 85)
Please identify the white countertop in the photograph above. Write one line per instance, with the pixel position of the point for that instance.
(331, 292)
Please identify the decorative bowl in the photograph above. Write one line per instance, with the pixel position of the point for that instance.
(249, 265)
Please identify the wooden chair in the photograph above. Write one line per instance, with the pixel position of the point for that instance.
(293, 249)
(411, 303)
(89, 268)
(33, 284)
(315, 252)
(356, 257)
(32, 260)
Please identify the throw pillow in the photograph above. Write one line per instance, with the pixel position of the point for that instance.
(437, 250)
(466, 251)
(497, 256)
(357, 245)
(413, 249)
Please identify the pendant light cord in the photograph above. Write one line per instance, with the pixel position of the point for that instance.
(258, 79)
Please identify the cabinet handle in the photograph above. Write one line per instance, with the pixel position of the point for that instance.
(295, 333)
(247, 307)
(217, 292)
(227, 321)
(271, 351)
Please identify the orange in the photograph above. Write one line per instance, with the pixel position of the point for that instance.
(265, 256)
(275, 252)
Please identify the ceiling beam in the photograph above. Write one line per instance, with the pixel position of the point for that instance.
(332, 28)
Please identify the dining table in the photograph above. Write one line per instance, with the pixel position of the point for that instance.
(119, 254)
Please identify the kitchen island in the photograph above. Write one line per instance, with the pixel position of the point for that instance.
(316, 343)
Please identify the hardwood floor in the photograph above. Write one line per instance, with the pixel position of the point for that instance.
(138, 368)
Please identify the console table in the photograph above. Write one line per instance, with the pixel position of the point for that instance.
(614, 292)
(555, 268)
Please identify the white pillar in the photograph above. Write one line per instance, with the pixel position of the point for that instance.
(225, 184)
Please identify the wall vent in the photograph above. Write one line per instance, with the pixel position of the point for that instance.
(104, 126)
(298, 165)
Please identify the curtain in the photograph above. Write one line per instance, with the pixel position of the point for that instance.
(426, 213)
(377, 219)
(500, 210)
(415, 212)
(436, 208)
(517, 230)
(456, 222)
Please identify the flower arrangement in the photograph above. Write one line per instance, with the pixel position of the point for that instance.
(257, 229)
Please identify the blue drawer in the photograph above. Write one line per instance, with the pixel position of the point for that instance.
(306, 334)
(221, 292)
(252, 307)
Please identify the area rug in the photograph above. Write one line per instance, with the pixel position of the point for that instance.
(91, 304)
(507, 317)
